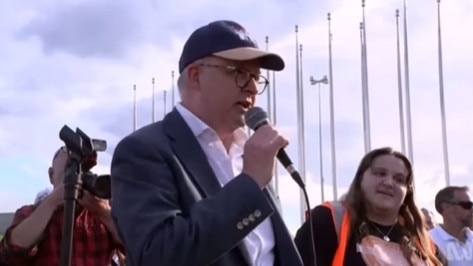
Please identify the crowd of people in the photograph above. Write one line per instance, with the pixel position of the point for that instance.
(193, 189)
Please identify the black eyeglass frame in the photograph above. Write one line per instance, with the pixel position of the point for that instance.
(242, 81)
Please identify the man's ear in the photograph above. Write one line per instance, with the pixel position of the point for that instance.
(193, 74)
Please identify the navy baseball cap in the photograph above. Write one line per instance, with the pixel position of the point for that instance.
(228, 40)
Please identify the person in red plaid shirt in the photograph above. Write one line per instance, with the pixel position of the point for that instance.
(34, 238)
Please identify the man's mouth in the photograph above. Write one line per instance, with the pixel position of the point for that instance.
(244, 104)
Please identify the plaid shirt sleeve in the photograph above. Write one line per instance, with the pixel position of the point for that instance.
(11, 254)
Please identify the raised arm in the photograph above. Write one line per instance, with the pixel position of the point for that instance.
(18, 246)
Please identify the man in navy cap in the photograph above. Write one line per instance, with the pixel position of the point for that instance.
(183, 193)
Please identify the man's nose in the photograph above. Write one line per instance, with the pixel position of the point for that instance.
(252, 87)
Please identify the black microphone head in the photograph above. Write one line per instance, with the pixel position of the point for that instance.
(256, 117)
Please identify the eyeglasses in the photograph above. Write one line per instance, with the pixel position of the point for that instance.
(243, 77)
(467, 205)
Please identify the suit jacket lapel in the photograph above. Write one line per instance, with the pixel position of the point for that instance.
(190, 153)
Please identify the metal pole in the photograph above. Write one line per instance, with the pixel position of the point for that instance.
(332, 112)
(164, 101)
(275, 117)
(399, 86)
(366, 126)
(269, 108)
(313, 81)
(153, 111)
(321, 165)
(135, 118)
(442, 101)
(410, 147)
(268, 90)
(300, 120)
(365, 75)
(172, 89)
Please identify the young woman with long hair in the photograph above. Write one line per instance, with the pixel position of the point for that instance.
(385, 225)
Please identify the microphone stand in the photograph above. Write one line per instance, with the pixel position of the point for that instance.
(72, 183)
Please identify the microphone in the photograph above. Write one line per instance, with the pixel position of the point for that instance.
(256, 118)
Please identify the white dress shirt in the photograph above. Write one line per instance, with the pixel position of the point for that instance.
(260, 242)
(457, 253)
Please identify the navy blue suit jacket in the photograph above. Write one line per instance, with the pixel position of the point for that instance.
(170, 209)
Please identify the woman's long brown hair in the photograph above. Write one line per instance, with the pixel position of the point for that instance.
(416, 240)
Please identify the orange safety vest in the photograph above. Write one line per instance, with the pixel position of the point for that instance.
(341, 221)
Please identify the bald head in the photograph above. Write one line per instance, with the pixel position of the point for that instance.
(56, 171)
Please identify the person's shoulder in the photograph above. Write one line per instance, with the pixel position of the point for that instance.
(321, 217)
(141, 137)
(26, 209)
(145, 132)
(438, 235)
(23, 212)
(435, 232)
(322, 210)
(322, 233)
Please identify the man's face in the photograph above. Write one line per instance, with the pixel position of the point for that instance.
(461, 208)
(226, 90)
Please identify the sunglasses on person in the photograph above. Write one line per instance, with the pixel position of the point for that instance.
(467, 205)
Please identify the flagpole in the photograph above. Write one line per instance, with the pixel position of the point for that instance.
(268, 90)
(172, 89)
(332, 111)
(442, 100)
(164, 102)
(407, 89)
(319, 82)
(153, 111)
(270, 108)
(275, 121)
(365, 74)
(399, 86)
(366, 127)
(300, 120)
(135, 118)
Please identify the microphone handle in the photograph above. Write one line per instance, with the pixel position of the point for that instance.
(288, 165)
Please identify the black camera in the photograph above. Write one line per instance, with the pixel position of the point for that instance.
(97, 185)
(84, 150)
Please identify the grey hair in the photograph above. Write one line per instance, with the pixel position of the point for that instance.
(182, 79)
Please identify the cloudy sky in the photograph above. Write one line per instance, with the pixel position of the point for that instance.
(76, 63)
